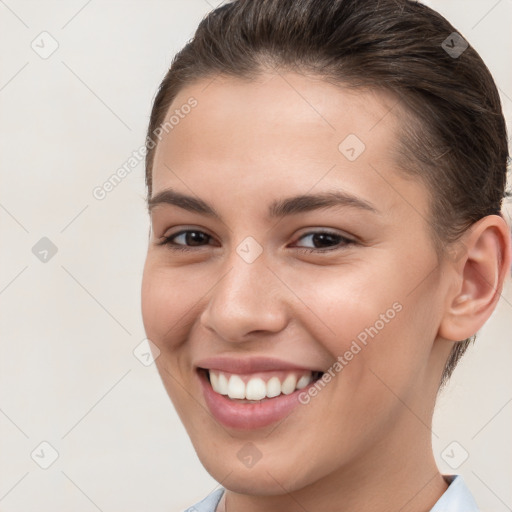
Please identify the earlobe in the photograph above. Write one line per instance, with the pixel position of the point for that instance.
(480, 272)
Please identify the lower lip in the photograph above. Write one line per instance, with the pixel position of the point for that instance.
(248, 416)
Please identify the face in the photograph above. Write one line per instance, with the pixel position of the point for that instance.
(301, 252)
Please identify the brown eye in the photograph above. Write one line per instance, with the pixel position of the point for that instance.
(324, 241)
(186, 239)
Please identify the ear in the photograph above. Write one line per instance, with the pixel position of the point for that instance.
(479, 266)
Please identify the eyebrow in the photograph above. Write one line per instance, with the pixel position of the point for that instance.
(277, 209)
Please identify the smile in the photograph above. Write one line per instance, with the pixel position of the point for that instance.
(253, 400)
(254, 388)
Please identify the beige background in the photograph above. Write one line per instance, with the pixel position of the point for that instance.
(68, 375)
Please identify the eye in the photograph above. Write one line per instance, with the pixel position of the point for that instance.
(185, 240)
(325, 241)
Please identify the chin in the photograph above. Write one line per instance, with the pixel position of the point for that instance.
(264, 478)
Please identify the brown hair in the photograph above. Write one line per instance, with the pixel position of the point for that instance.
(453, 135)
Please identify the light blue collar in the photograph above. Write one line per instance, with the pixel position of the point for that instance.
(457, 498)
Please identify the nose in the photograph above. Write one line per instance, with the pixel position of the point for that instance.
(247, 301)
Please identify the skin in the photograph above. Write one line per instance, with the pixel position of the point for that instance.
(364, 443)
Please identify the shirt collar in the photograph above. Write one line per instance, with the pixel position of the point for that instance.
(457, 498)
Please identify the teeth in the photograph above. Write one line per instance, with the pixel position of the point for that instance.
(303, 381)
(256, 388)
(236, 387)
(288, 386)
(273, 387)
(222, 384)
(214, 379)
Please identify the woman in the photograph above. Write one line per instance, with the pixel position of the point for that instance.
(325, 182)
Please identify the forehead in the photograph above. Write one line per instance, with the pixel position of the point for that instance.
(283, 132)
(285, 104)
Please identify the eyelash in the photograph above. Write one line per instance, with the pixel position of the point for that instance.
(167, 240)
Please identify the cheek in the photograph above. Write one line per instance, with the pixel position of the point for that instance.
(166, 299)
(370, 323)
(349, 305)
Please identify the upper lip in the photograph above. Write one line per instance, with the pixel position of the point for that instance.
(241, 365)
